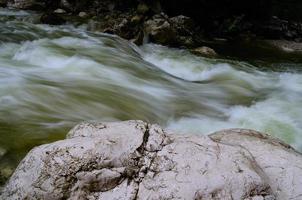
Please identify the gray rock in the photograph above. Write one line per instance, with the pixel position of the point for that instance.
(83, 14)
(59, 11)
(136, 160)
(204, 51)
(281, 163)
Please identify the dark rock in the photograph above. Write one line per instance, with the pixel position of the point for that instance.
(137, 19)
(159, 30)
(139, 39)
(142, 8)
(175, 31)
(66, 5)
(3, 3)
(52, 19)
(5, 173)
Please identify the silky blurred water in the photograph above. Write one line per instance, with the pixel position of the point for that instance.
(52, 78)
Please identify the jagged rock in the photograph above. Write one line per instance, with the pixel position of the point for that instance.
(159, 30)
(136, 160)
(175, 31)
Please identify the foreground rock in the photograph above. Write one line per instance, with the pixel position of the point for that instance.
(136, 160)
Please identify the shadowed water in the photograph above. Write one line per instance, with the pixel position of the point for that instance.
(51, 78)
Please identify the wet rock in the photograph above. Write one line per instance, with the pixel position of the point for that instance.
(59, 11)
(142, 8)
(204, 51)
(159, 30)
(175, 31)
(52, 19)
(83, 14)
(125, 25)
(5, 173)
(136, 160)
(285, 45)
(136, 19)
(139, 39)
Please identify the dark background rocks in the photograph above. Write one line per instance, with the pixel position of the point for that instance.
(166, 21)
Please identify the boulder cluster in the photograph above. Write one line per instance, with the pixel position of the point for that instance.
(177, 23)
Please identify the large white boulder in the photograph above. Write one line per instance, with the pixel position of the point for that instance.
(136, 160)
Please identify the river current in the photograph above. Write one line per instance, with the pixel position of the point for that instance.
(53, 77)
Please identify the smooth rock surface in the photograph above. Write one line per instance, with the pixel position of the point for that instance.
(204, 51)
(136, 160)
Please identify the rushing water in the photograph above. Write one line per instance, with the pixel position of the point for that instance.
(54, 77)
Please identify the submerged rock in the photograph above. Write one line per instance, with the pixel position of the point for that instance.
(136, 160)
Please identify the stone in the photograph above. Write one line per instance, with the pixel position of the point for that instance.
(279, 161)
(5, 173)
(83, 14)
(137, 160)
(136, 19)
(142, 8)
(284, 45)
(66, 5)
(59, 11)
(160, 31)
(175, 31)
(204, 51)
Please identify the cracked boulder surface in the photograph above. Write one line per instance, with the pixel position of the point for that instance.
(137, 160)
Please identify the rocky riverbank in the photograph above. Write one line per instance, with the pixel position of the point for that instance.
(175, 23)
(136, 160)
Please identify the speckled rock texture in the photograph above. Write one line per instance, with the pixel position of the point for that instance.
(136, 160)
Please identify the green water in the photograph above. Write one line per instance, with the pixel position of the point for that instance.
(52, 78)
